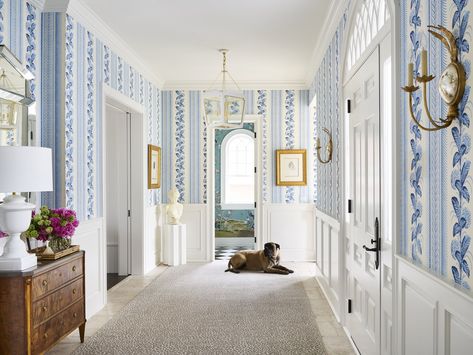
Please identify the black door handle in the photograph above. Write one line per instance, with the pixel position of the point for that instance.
(377, 243)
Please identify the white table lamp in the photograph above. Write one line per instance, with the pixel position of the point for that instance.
(22, 169)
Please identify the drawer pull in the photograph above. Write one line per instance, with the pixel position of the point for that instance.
(74, 291)
(45, 282)
(75, 315)
(44, 308)
(74, 268)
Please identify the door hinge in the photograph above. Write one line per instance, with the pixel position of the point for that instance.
(255, 239)
(129, 213)
(255, 134)
(349, 305)
(255, 169)
(255, 204)
(349, 206)
(348, 106)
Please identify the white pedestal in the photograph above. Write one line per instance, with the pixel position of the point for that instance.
(174, 248)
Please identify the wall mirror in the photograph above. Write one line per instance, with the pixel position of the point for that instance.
(17, 108)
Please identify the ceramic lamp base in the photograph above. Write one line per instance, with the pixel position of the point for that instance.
(19, 263)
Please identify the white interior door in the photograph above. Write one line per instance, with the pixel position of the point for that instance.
(117, 190)
(363, 272)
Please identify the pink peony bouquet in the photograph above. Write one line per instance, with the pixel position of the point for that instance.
(50, 224)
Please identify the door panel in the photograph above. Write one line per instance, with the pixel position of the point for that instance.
(364, 189)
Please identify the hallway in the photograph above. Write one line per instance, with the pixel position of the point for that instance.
(333, 336)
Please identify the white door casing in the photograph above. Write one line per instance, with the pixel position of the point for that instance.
(256, 120)
(363, 275)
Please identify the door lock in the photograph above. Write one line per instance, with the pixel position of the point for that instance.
(376, 242)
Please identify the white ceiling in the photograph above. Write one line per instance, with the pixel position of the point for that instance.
(270, 41)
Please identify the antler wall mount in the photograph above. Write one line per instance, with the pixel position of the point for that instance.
(451, 84)
(329, 148)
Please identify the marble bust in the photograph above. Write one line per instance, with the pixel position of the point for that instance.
(173, 208)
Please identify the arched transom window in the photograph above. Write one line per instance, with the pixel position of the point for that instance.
(370, 18)
(238, 166)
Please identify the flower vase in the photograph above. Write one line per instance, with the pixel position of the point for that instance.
(59, 244)
(48, 250)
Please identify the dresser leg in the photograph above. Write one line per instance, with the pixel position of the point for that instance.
(82, 332)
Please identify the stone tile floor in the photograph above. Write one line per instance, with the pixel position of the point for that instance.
(335, 339)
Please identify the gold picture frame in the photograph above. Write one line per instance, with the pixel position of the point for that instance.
(291, 167)
(154, 167)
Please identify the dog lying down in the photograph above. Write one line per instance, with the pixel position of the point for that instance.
(266, 260)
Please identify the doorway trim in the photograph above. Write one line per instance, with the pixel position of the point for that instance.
(138, 173)
(256, 120)
(392, 27)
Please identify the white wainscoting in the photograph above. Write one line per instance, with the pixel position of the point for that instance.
(198, 238)
(91, 238)
(153, 235)
(328, 260)
(292, 227)
(433, 316)
(112, 257)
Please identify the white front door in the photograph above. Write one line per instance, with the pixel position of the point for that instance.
(363, 272)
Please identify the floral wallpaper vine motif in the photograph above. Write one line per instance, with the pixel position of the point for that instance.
(179, 103)
(31, 44)
(69, 119)
(90, 128)
(289, 134)
(261, 107)
(461, 165)
(415, 142)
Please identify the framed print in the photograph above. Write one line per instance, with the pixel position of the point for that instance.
(291, 167)
(154, 167)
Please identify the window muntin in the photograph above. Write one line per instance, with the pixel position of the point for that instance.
(238, 162)
(371, 17)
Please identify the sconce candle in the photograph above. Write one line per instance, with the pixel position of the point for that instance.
(410, 77)
(424, 62)
(451, 84)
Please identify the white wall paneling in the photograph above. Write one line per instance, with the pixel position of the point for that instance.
(91, 238)
(434, 316)
(329, 259)
(292, 227)
(198, 236)
(152, 237)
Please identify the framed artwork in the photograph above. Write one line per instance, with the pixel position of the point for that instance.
(154, 167)
(291, 167)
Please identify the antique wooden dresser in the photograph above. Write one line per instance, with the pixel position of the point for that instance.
(42, 305)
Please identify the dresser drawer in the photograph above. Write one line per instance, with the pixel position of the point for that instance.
(52, 279)
(57, 301)
(51, 331)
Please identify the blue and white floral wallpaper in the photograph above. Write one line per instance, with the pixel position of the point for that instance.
(285, 125)
(437, 183)
(90, 64)
(325, 98)
(20, 31)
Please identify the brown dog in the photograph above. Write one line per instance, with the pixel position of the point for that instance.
(266, 260)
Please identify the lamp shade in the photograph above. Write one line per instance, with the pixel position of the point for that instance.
(25, 169)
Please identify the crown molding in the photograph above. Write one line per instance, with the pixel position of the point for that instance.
(39, 4)
(337, 8)
(244, 85)
(90, 20)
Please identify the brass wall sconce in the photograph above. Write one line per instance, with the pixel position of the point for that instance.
(451, 84)
(329, 148)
